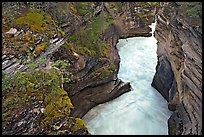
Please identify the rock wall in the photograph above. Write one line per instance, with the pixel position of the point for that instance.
(87, 92)
(179, 70)
(91, 79)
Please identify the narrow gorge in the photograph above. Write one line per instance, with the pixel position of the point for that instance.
(143, 104)
(81, 68)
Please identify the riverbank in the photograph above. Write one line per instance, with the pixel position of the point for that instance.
(142, 111)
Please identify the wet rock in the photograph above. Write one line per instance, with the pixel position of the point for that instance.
(163, 78)
(173, 96)
(92, 96)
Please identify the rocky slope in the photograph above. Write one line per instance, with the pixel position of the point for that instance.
(179, 69)
(89, 92)
(66, 43)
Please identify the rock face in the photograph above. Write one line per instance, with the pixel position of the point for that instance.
(163, 79)
(87, 92)
(179, 71)
(38, 112)
(91, 79)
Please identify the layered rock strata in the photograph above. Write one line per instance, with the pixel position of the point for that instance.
(88, 92)
(179, 71)
(94, 79)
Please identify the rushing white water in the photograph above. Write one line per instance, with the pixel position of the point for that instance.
(142, 111)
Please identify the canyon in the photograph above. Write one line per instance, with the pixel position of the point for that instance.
(90, 77)
(143, 104)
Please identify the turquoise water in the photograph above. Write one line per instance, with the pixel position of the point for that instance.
(142, 111)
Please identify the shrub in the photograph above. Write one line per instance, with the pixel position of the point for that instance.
(83, 8)
(88, 40)
(41, 86)
(103, 72)
(79, 124)
(191, 11)
(39, 49)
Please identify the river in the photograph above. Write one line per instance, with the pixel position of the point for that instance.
(142, 111)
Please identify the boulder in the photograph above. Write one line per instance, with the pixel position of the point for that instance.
(12, 31)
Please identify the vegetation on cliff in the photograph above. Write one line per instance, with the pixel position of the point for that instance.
(36, 29)
(39, 89)
(88, 39)
(189, 11)
(192, 12)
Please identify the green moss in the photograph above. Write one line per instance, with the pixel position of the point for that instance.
(50, 34)
(48, 99)
(78, 125)
(69, 121)
(33, 19)
(36, 20)
(72, 7)
(43, 86)
(70, 47)
(152, 3)
(57, 105)
(11, 101)
(104, 50)
(103, 72)
(39, 49)
(85, 51)
(61, 32)
(45, 123)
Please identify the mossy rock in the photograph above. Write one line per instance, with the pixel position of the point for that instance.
(39, 49)
(36, 20)
(103, 72)
(79, 124)
(41, 86)
(72, 7)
